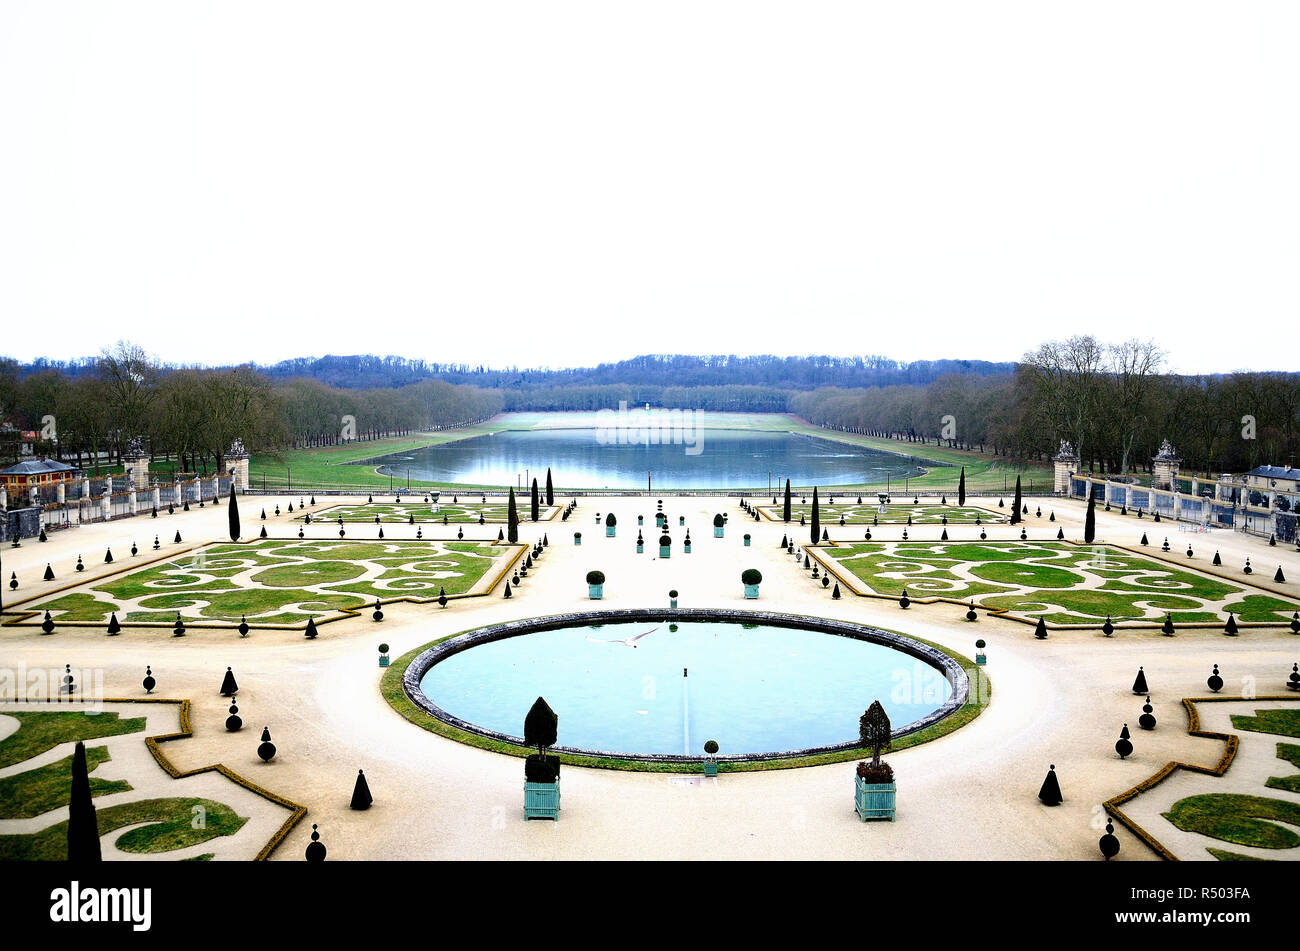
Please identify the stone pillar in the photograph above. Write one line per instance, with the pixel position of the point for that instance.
(137, 463)
(1064, 464)
(135, 506)
(61, 492)
(157, 497)
(1164, 467)
(237, 464)
(1128, 496)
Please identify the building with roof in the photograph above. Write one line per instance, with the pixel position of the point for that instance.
(1275, 478)
(18, 480)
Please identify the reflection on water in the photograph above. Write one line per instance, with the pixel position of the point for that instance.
(585, 458)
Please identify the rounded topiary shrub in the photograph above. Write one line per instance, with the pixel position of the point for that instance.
(610, 519)
(672, 593)
(595, 577)
(665, 540)
(383, 648)
(751, 576)
(711, 747)
(979, 645)
(718, 521)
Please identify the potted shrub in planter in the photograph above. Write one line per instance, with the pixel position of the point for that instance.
(751, 578)
(541, 772)
(610, 523)
(665, 545)
(672, 598)
(595, 584)
(980, 657)
(746, 541)
(383, 655)
(874, 785)
(718, 524)
(577, 538)
(686, 544)
(660, 520)
(710, 763)
(640, 543)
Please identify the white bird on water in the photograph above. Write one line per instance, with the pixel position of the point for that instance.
(625, 641)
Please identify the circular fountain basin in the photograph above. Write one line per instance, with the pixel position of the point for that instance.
(656, 685)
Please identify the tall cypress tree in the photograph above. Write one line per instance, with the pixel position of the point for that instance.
(961, 487)
(786, 512)
(1016, 504)
(512, 519)
(816, 518)
(233, 512)
(550, 489)
(535, 503)
(83, 826)
(1090, 521)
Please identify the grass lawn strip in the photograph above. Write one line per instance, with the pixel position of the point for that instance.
(39, 790)
(278, 581)
(170, 826)
(40, 731)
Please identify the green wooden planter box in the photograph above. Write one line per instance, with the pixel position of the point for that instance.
(981, 659)
(640, 519)
(686, 549)
(874, 800)
(383, 660)
(746, 541)
(640, 548)
(751, 591)
(665, 551)
(577, 539)
(609, 530)
(710, 767)
(717, 531)
(659, 521)
(542, 800)
(681, 520)
(595, 591)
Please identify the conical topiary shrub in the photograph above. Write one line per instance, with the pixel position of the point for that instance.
(1050, 792)
(228, 686)
(83, 825)
(361, 798)
(1140, 682)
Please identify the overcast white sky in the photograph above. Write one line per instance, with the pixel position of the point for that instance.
(560, 183)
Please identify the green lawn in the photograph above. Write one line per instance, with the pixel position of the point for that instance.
(39, 790)
(277, 581)
(1239, 819)
(449, 513)
(1279, 722)
(171, 826)
(849, 512)
(1062, 583)
(41, 730)
(1291, 754)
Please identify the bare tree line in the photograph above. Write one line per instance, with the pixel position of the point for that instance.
(191, 416)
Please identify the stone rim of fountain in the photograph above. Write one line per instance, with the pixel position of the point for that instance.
(953, 672)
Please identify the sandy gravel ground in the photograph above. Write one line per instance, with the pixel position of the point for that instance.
(971, 795)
